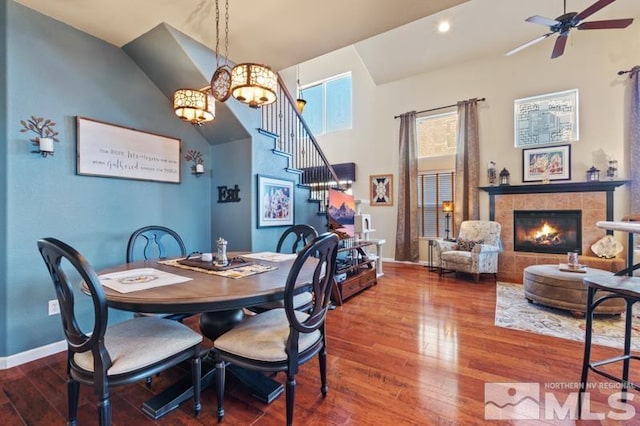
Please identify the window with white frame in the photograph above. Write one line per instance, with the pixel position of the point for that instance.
(433, 189)
(436, 137)
(437, 134)
(329, 104)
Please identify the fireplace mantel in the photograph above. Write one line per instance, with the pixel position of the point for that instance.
(607, 186)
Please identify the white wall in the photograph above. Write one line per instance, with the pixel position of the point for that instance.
(590, 64)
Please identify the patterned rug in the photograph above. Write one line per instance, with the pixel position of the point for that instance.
(514, 311)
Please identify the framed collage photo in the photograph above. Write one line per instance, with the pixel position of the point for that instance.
(275, 201)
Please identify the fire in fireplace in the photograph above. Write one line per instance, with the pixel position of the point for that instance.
(547, 231)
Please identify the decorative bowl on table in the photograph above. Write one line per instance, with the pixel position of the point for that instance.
(607, 247)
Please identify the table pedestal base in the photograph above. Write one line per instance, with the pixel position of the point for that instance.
(212, 325)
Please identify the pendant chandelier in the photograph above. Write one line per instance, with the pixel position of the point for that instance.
(250, 83)
(194, 106)
(300, 102)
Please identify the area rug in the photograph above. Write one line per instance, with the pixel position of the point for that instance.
(514, 311)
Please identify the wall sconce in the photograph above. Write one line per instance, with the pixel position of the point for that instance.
(447, 208)
(197, 168)
(504, 177)
(46, 134)
(593, 174)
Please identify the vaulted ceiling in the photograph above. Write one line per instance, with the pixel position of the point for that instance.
(395, 38)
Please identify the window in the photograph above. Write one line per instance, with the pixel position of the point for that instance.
(437, 134)
(433, 189)
(328, 106)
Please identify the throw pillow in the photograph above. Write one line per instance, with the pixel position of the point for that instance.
(468, 245)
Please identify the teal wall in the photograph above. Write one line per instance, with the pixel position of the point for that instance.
(57, 72)
(51, 70)
(3, 178)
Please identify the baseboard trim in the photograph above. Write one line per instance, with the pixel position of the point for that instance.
(32, 354)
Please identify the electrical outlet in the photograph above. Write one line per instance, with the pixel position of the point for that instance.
(54, 307)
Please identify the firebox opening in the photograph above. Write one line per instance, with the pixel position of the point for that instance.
(547, 231)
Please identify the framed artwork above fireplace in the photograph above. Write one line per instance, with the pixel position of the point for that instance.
(546, 163)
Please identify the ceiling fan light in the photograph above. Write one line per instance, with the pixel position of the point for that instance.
(194, 106)
(253, 84)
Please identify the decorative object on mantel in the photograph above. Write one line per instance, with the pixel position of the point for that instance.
(612, 169)
(228, 195)
(197, 168)
(492, 173)
(546, 163)
(593, 174)
(45, 131)
(546, 119)
(607, 247)
(504, 177)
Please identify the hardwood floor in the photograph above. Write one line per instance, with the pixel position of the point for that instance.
(417, 349)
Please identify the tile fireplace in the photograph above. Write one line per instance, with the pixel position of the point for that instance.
(547, 231)
(594, 201)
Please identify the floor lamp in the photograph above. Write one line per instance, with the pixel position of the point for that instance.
(447, 208)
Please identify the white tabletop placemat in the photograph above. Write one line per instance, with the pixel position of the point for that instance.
(140, 279)
(270, 256)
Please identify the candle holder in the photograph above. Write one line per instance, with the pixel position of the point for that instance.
(593, 174)
(197, 168)
(44, 128)
(504, 177)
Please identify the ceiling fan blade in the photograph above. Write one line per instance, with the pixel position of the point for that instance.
(537, 19)
(593, 9)
(527, 44)
(558, 48)
(603, 25)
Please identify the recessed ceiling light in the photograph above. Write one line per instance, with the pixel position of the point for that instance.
(444, 26)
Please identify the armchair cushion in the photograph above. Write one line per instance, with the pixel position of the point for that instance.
(468, 245)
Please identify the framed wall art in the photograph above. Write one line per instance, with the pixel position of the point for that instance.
(546, 119)
(381, 189)
(546, 163)
(110, 150)
(275, 201)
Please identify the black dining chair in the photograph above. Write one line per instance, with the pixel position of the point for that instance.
(156, 242)
(104, 356)
(285, 338)
(291, 241)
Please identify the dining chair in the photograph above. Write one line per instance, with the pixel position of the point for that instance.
(105, 356)
(283, 339)
(291, 241)
(156, 242)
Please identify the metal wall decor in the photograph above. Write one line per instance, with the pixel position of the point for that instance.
(546, 119)
(44, 128)
(197, 168)
(228, 195)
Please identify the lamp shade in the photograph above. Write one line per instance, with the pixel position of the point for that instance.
(300, 103)
(447, 206)
(253, 84)
(194, 106)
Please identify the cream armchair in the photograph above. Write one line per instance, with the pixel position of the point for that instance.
(474, 252)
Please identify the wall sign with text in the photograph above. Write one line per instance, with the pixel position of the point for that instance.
(110, 150)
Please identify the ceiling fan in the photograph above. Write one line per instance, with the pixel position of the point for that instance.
(565, 22)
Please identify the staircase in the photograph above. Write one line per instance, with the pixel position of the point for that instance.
(293, 139)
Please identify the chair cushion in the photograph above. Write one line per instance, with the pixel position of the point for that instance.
(468, 245)
(141, 342)
(264, 336)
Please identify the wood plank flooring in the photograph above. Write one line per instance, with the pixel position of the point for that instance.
(417, 349)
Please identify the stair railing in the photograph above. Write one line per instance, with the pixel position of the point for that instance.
(295, 139)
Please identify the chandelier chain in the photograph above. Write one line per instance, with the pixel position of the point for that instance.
(226, 32)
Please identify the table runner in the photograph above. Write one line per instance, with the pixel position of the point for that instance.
(240, 272)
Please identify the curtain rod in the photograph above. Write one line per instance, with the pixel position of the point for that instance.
(442, 107)
(628, 71)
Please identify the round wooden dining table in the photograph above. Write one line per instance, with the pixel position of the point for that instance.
(220, 301)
